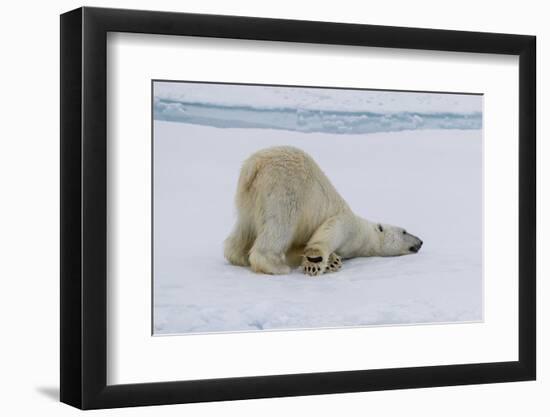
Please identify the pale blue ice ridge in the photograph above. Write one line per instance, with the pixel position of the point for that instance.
(310, 120)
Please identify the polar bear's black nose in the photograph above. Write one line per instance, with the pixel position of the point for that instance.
(416, 247)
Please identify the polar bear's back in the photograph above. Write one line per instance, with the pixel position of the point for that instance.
(286, 183)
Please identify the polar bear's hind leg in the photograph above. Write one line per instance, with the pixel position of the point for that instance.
(238, 244)
(268, 252)
(276, 226)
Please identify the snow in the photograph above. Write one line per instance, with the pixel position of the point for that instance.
(427, 181)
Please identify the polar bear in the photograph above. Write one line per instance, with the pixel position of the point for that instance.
(290, 213)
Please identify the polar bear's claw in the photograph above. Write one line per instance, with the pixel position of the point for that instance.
(312, 269)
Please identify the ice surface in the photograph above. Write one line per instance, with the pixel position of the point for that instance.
(428, 181)
(313, 109)
(346, 100)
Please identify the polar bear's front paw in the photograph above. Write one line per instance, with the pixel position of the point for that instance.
(314, 263)
(334, 263)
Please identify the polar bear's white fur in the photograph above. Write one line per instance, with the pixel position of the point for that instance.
(290, 213)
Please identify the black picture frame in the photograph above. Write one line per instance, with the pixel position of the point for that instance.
(84, 207)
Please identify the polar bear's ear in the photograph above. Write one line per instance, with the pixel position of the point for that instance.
(380, 227)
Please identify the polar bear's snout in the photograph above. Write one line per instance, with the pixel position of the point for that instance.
(395, 241)
(417, 245)
(416, 248)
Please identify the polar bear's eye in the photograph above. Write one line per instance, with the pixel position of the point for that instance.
(404, 232)
(380, 228)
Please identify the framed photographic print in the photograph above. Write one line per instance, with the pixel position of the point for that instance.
(258, 207)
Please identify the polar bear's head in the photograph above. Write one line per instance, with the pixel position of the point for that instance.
(396, 241)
